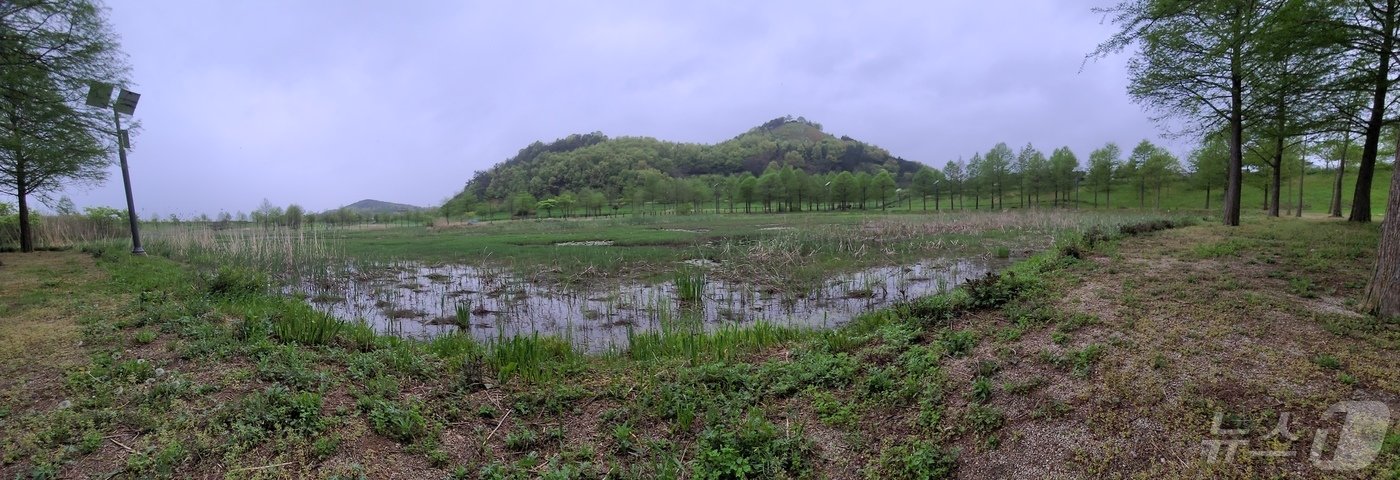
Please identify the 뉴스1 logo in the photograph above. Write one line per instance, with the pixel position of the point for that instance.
(1351, 447)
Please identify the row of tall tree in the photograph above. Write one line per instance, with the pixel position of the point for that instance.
(1267, 74)
(1033, 177)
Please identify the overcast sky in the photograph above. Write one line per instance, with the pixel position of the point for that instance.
(326, 102)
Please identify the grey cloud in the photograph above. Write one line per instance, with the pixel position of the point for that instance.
(324, 102)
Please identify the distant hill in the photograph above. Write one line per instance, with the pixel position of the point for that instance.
(610, 165)
(378, 206)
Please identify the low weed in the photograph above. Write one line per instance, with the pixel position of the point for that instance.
(984, 419)
(275, 411)
(1327, 361)
(401, 422)
(752, 447)
(958, 343)
(914, 459)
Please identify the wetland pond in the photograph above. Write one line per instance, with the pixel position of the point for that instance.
(425, 300)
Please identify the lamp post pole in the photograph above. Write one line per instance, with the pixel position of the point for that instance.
(126, 182)
(935, 194)
(100, 96)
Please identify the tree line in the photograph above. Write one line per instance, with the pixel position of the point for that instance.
(1270, 75)
(1032, 177)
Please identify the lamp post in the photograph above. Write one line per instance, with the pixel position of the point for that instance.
(100, 96)
(935, 194)
(830, 201)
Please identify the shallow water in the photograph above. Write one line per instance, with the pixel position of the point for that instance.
(422, 301)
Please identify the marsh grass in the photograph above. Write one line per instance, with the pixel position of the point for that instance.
(63, 231)
(285, 319)
(690, 285)
(533, 357)
(687, 338)
(282, 252)
(463, 315)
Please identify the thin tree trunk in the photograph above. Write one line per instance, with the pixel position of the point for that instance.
(1276, 178)
(1302, 172)
(1142, 192)
(1361, 198)
(26, 232)
(1158, 204)
(1383, 293)
(1341, 172)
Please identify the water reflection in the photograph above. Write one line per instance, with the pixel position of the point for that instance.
(416, 300)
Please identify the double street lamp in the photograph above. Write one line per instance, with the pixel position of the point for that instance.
(100, 96)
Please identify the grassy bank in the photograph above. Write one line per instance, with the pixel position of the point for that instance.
(1101, 358)
(769, 249)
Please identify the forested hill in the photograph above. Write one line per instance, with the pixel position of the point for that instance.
(612, 165)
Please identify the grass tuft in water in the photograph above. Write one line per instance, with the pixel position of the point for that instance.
(690, 284)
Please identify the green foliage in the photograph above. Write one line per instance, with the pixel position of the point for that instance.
(981, 390)
(914, 459)
(286, 319)
(1080, 362)
(522, 439)
(144, 337)
(814, 369)
(533, 357)
(958, 343)
(984, 419)
(1327, 361)
(685, 339)
(751, 447)
(275, 411)
(658, 171)
(932, 310)
(832, 410)
(993, 290)
(395, 420)
(51, 50)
